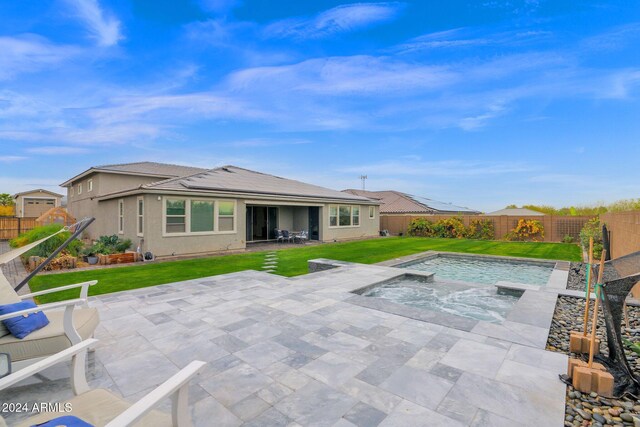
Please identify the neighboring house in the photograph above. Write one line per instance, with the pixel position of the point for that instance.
(177, 210)
(32, 204)
(397, 203)
(516, 212)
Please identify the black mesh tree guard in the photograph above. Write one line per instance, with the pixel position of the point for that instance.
(620, 276)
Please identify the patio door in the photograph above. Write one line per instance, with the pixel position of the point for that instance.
(262, 222)
(314, 223)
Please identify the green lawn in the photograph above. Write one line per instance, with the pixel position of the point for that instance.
(291, 262)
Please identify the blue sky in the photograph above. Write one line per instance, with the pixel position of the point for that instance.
(479, 103)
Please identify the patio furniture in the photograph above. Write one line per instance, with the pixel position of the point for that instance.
(287, 236)
(101, 407)
(70, 322)
(301, 237)
(279, 236)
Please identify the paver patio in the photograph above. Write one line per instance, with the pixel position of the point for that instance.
(298, 351)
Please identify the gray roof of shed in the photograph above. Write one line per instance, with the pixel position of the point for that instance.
(516, 212)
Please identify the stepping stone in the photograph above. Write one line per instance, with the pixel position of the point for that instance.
(271, 263)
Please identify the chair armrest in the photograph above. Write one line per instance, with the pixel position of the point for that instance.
(176, 387)
(50, 306)
(64, 355)
(83, 292)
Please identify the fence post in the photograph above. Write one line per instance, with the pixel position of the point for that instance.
(19, 225)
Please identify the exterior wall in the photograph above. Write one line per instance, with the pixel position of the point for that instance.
(300, 219)
(285, 217)
(367, 228)
(160, 245)
(624, 232)
(85, 204)
(555, 226)
(21, 207)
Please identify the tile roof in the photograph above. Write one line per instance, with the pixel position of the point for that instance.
(238, 180)
(151, 168)
(395, 202)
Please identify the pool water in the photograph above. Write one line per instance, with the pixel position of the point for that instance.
(480, 303)
(484, 271)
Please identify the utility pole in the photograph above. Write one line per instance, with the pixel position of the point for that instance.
(363, 178)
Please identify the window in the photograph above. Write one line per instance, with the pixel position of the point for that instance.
(140, 216)
(198, 216)
(90, 185)
(201, 216)
(344, 216)
(176, 216)
(372, 212)
(333, 216)
(79, 189)
(226, 214)
(120, 216)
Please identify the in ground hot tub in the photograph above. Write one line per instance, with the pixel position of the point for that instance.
(477, 302)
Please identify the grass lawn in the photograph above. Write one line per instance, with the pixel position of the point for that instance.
(291, 262)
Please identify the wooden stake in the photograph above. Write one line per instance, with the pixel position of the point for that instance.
(588, 272)
(594, 320)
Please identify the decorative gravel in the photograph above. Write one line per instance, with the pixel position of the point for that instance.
(576, 278)
(591, 409)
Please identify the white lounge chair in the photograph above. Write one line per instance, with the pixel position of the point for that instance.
(70, 322)
(101, 407)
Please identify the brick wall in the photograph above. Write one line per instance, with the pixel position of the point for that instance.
(624, 231)
(555, 226)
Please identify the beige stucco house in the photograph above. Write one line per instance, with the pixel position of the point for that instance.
(32, 204)
(178, 210)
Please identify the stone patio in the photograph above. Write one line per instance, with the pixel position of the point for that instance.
(298, 351)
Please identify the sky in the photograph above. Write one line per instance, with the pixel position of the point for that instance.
(477, 103)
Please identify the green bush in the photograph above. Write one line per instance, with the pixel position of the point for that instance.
(567, 239)
(47, 247)
(420, 227)
(107, 245)
(482, 229)
(592, 229)
(451, 228)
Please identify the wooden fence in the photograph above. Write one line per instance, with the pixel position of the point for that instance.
(555, 226)
(11, 227)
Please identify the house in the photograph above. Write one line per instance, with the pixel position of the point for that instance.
(516, 212)
(397, 203)
(178, 210)
(33, 203)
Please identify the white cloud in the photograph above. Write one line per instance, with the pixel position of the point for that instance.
(58, 150)
(11, 159)
(104, 27)
(340, 19)
(30, 53)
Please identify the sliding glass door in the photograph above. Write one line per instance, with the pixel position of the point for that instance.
(262, 222)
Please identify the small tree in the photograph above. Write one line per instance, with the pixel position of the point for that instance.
(6, 199)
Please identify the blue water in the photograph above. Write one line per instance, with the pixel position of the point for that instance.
(480, 303)
(484, 271)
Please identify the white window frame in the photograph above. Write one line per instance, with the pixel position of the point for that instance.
(353, 208)
(350, 216)
(140, 217)
(216, 221)
(121, 216)
(372, 212)
(79, 189)
(89, 185)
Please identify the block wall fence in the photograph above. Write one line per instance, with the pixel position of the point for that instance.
(555, 226)
(624, 232)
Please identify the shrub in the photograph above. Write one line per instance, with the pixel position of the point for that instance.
(482, 229)
(526, 230)
(593, 229)
(47, 247)
(567, 239)
(420, 227)
(452, 228)
(106, 245)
